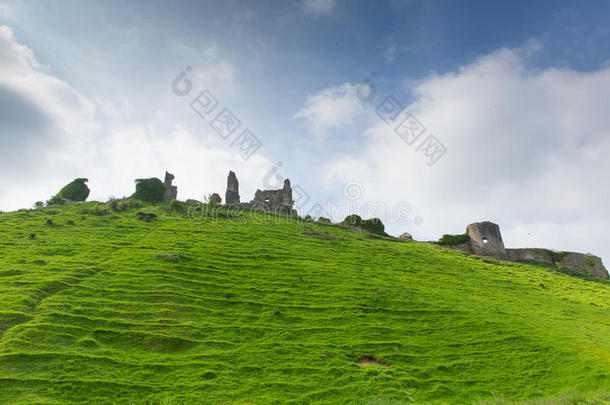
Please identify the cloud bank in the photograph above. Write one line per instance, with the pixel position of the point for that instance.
(51, 134)
(526, 148)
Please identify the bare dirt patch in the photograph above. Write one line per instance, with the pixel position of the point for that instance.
(369, 361)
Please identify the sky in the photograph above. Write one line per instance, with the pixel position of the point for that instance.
(428, 114)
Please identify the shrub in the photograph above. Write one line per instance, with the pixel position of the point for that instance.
(146, 216)
(374, 225)
(589, 261)
(56, 200)
(75, 191)
(454, 239)
(95, 210)
(113, 203)
(151, 190)
(129, 204)
(124, 204)
(353, 220)
(177, 206)
(50, 222)
(38, 204)
(211, 202)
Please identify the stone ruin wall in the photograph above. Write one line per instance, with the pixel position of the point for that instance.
(171, 191)
(582, 262)
(485, 239)
(264, 200)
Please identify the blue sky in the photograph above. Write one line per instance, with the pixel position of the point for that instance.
(515, 92)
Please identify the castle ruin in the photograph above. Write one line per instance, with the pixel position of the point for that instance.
(171, 191)
(485, 239)
(275, 200)
(265, 200)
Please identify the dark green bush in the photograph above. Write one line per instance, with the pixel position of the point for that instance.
(56, 200)
(146, 216)
(453, 239)
(151, 190)
(97, 209)
(124, 204)
(177, 206)
(374, 225)
(353, 220)
(128, 204)
(113, 203)
(75, 191)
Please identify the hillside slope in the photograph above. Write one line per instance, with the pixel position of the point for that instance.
(103, 307)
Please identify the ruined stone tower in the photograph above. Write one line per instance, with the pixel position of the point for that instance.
(232, 194)
(171, 192)
(486, 239)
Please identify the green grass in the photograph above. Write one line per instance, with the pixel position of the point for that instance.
(267, 310)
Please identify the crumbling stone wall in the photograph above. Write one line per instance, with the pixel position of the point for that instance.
(171, 191)
(232, 194)
(264, 200)
(485, 239)
(581, 262)
(275, 200)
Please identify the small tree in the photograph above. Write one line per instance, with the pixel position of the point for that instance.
(151, 190)
(353, 220)
(56, 200)
(211, 204)
(75, 191)
(374, 225)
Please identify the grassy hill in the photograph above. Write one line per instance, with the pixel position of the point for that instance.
(99, 306)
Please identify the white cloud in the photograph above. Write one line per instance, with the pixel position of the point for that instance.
(526, 148)
(21, 73)
(200, 166)
(211, 69)
(333, 108)
(318, 7)
(46, 125)
(51, 133)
